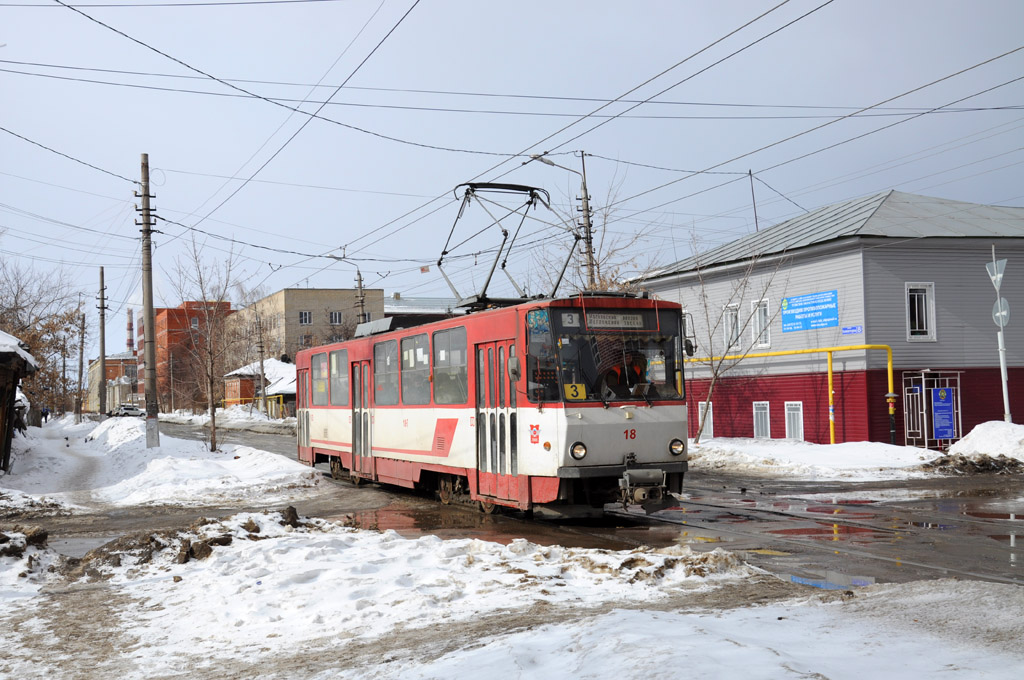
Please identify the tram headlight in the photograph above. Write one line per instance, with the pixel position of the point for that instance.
(676, 447)
(578, 450)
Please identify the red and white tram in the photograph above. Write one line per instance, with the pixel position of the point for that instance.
(558, 402)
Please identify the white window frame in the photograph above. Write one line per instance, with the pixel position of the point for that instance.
(731, 322)
(795, 408)
(929, 311)
(305, 318)
(195, 323)
(761, 334)
(336, 318)
(705, 412)
(767, 434)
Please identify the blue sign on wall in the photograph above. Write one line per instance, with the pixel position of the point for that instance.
(811, 311)
(943, 419)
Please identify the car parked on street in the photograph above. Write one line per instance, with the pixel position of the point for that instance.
(128, 410)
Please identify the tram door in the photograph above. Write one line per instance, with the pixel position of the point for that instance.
(496, 445)
(362, 415)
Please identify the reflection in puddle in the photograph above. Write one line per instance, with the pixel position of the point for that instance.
(832, 532)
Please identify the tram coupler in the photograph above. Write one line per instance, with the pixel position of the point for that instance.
(644, 487)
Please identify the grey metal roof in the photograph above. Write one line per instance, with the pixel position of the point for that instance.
(892, 214)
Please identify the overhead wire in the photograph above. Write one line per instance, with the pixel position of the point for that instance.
(499, 112)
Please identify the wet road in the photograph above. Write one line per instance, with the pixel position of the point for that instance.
(828, 534)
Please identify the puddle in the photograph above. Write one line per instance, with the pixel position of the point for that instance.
(1012, 516)
(833, 532)
(77, 547)
(834, 581)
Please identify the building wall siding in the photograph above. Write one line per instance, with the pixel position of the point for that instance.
(964, 296)
(861, 412)
(811, 272)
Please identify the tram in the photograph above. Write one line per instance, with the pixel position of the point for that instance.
(563, 403)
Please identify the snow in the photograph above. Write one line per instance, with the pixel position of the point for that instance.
(270, 588)
(280, 376)
(237, 417)
(9, 343)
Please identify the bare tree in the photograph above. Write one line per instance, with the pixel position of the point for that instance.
(41, 309)
(209, 344)
(619, 262)
(724, 321)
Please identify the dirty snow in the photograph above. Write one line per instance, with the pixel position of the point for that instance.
(271, 591)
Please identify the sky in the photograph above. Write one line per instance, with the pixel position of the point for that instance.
(346, 599)
(673, 103)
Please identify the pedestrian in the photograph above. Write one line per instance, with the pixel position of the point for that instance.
(46, 413)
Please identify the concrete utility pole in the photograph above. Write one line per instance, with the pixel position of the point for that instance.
(588, 229)
(103, 348)
(148, 316)
(259, 346)
(81, 360)
(361, 297)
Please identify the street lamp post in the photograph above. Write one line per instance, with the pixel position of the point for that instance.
(588, 235)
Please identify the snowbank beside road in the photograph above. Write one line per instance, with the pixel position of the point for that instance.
(70, 465)
(234, 418)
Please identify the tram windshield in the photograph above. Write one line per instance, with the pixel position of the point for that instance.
(577, 354)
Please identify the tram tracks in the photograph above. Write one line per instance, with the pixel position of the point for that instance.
(929, 543)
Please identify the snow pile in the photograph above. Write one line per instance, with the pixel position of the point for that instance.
(261, 575)
(994, 438)
(25, 563)
(803, 460)
(75, 465)
(237, 417)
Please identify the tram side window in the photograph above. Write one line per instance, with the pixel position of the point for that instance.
(451, 373)
(542, 359)
(416, 370)
(385, 372)
(339, 378)
(319, 371)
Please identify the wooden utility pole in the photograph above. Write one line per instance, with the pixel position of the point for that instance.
(148, 316)
(103, 348)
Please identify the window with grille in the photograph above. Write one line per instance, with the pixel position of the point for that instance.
(920, 311)
(336, 318)
(762, 423)
(305, 318)
(795, 420)
(732, 325)
(760, 323)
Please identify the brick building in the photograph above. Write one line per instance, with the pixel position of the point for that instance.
(177, 330)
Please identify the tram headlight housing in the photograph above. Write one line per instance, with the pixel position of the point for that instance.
(677, 447)
(578, 450)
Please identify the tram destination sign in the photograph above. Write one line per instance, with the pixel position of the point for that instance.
(616, 320)
(811, 311)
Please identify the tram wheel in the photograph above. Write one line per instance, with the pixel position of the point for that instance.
(446, 489)
(337, 471)
(487, 507)
(354, 478)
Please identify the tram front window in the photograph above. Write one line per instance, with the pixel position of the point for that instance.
(627, 355)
